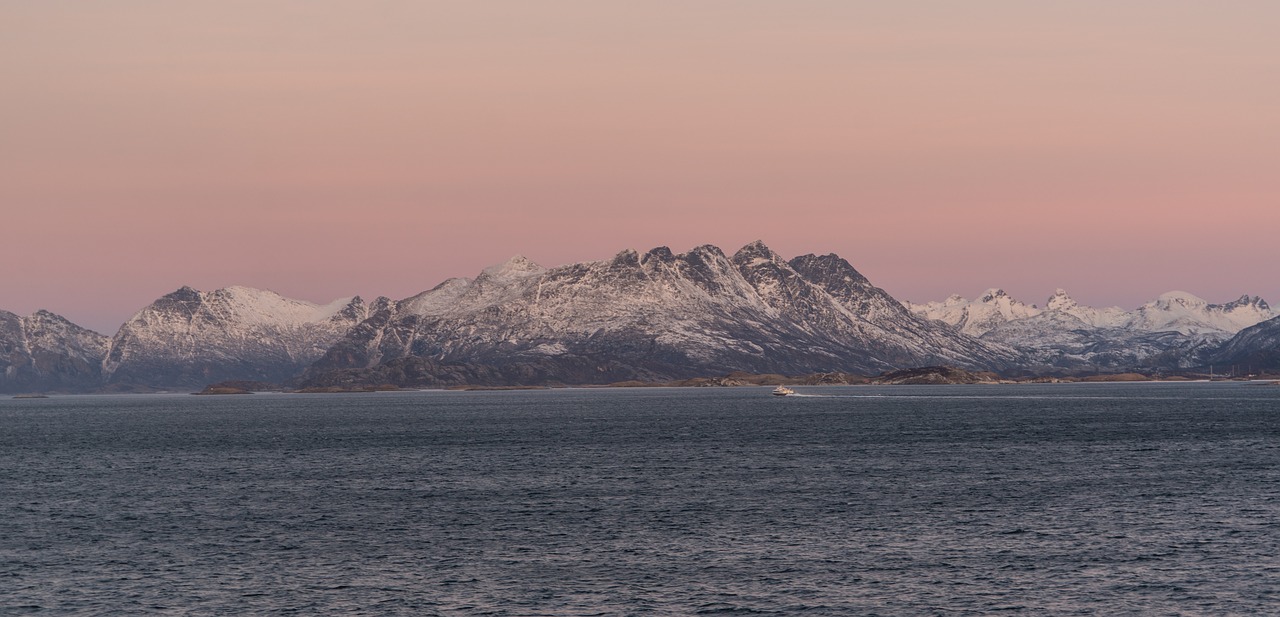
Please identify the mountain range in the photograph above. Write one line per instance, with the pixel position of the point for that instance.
(647, 316)
(1175, 331)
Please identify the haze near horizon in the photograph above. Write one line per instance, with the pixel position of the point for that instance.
(326, 149)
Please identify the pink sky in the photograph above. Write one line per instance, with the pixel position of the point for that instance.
(325, 149)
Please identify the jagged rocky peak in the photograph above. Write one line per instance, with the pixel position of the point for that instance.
(831, 269)
(1060, 300)
(1247, 301)
(658, 254)
(628, 258)
(772, 277)
(704, 252)
(518, 265)
(756, 253)
(977, 317)
(705, 257)
(992, 295)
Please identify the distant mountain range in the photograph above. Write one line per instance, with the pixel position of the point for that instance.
(638, 316)
(1175, 331)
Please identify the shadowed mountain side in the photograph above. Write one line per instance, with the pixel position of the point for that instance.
(1256, 347)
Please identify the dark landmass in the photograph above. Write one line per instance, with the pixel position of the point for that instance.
(252, 386)
(341, 390)
(30, 396)
(741, 378)
(496, 388)
(931, 375)
(127, 388)
(219, 390)
(1117, 377)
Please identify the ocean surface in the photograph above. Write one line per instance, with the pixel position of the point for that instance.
(1069, 499)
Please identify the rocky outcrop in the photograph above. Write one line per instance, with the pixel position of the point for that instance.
(935, 375)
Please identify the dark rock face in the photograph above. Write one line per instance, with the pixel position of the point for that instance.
(1256, 346)
(656, 316)
(46, 353)
(934, 375)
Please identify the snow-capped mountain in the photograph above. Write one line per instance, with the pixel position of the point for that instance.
(1179, 311)
(190, 338)
(654, 315)
(650, 316)
(1174, 330)
(976, 317)
(1108, 317)
(45, 352)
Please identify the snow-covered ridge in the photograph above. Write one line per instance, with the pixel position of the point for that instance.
(46, 352)
(1175, 311)
(192, 338)
(976, 317)
(258, 307)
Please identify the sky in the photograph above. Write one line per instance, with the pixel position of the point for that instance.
(322, 148)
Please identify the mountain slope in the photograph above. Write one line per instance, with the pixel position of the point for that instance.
(190, 338)
(1254, 348)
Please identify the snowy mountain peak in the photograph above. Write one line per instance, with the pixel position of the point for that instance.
(44, 351)
(627, 258)
(992, 295)
(755, 253)
(518, 265)
(831, 270)
(1247, 301)
(1188, 314)
(977, 317)
(659, 254)
(1060, 300)
(1181, 298)
(191, 338)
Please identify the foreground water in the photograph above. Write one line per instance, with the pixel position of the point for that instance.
(1061, 499)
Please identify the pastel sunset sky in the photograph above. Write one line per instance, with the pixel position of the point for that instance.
(318, 148)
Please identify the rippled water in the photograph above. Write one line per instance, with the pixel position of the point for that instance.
(967, 500)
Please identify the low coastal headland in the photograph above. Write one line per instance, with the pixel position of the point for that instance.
(926, 375)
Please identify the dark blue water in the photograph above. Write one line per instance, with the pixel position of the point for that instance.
(1053, 499)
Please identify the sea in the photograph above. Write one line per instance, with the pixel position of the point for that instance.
(1050, 499)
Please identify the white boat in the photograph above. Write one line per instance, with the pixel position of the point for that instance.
(783, 391)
